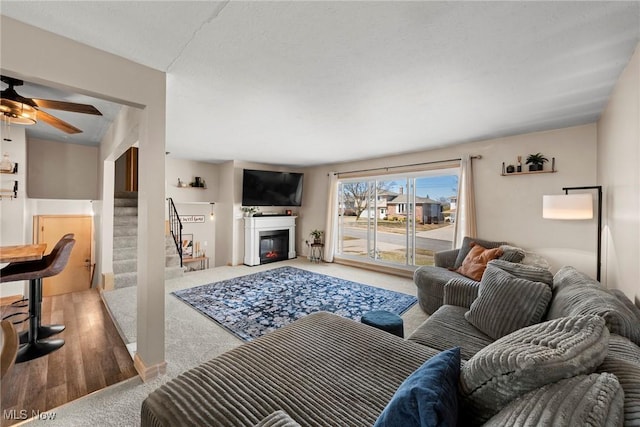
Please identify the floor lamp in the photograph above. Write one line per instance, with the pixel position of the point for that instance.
(575, 207)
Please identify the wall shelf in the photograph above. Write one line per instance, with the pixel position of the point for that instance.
(14, 171)
(10, 193)
(527, 173)
(197, 183)
(191, 186)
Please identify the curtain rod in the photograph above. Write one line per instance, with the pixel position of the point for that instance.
(406, 166)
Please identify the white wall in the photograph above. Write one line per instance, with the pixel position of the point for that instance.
(618, 160)
(187, 170)
(508, 208)
(15, 222)
(61, 170)
(226, 216)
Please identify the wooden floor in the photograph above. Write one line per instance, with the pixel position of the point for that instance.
(93, 357)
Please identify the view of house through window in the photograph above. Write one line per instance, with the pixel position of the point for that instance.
(400, 219)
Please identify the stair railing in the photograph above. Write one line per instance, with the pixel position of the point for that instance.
(175, 226)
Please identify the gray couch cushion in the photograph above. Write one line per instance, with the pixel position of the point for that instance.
(530, 358)
(430, 282)
(575, 293)
(622, 297)
(445, 259)
(447, 328)
(623, 361)
(323, 370)
(584, 400)
(506, 303)
(528, 272)
(461, 292)
(278, 419)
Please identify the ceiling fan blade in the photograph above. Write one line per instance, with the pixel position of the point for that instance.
(56, 122)
(67, 106)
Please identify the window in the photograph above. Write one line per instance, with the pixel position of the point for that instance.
(397, 219)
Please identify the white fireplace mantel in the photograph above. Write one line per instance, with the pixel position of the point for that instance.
(255, 224)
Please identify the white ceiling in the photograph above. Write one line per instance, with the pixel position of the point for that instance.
(305, 83)
(93, 127)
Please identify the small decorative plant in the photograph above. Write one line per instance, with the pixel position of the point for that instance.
(249, 210)
(317, 236)
(536, 161)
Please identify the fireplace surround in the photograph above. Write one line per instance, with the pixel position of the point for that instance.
(269, 239)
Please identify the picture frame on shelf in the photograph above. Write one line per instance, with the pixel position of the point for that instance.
(187, 245)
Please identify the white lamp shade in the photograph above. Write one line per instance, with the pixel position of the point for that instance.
(567, 206)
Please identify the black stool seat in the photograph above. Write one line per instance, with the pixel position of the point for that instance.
(34, 272)
(385, 321)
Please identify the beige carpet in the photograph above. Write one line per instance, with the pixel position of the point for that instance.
(192, 338)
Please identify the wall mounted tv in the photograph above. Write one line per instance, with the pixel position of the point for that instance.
(269, 188)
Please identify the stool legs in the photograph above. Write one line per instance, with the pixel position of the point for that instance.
(34, 348)
(44, 331)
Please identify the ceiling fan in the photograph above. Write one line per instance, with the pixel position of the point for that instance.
(27, 111)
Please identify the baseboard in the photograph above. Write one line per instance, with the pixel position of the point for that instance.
(148, 372)
(408, 273)
(108, 282)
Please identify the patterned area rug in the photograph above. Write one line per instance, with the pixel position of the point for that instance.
(254, 305)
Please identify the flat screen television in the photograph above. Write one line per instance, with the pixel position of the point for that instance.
(269, 188)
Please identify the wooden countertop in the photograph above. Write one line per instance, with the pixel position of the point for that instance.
(20, 253)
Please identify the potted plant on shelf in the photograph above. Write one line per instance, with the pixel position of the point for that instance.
(536, 161)
(249, 210)
(317, 236)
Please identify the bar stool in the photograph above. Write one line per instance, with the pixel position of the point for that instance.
(44, 331)
(35, 271)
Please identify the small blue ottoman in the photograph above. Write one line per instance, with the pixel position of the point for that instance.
(384, 320)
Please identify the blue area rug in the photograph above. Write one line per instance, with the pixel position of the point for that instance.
(254, 305)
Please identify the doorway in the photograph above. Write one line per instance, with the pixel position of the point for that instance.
(126, 171)
(77, 275)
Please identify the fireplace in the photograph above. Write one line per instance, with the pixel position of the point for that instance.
(274, 246)
(269, 239)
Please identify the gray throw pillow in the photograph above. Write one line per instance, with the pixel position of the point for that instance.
(537, 260)
(528, 359)
(575, 293)
(584, 400)
(506, 303)
(522, 271)
(512, 253)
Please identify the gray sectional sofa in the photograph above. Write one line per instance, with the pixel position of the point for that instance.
(576, 361)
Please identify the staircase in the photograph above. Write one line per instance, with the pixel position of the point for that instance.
(125, 242)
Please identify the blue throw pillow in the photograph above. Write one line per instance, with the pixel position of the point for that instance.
(428, 397)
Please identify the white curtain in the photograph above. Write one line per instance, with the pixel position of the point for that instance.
(465, 224)
(331, 228)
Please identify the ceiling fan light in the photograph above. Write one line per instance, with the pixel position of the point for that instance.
(18, 112)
